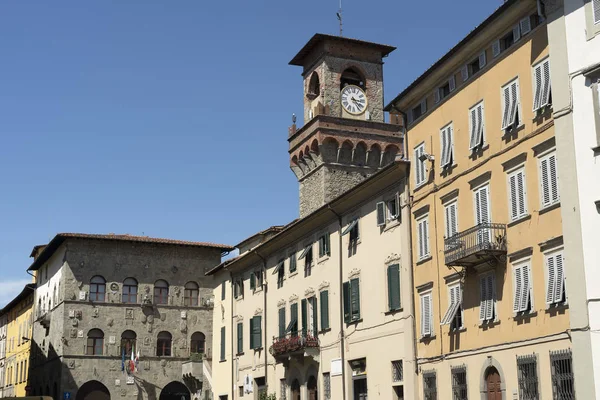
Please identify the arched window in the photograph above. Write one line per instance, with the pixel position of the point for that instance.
(128, 343)
(163, 344)
(130, 289)
(161, 292)
(191, 294)
(314, 86)
(95, 342)
(97, 288)
(197, 342)
(352, 77)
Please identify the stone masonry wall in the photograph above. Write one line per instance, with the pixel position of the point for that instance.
(311, 192)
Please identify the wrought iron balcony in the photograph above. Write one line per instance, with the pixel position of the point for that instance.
(298, 343)
(481, 243)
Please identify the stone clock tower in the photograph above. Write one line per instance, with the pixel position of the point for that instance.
(344, 139)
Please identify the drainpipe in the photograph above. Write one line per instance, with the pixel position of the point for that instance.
(265, 286)
(341, 297)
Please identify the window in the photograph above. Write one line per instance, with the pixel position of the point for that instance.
(163, 344)
(418, 111)
(130, 289)
(555, 279)
(525, 25)
(420, 171)
(281, 320)
(453, 316)
(527, 376)
(510, 105)
(429, 385)
(447, 146)
(393, 208)
(523, 301)
(476, 127)
(252, 281)
(307, 255)
(327, 385)
(190, 294)
(596, 5)
(238, 288)
(393, 284)
(459, 383)
(426, 315)
(95, 342)
(222, 353)
(549, 180)
(240, 338)
(517, 190)
(293, 325)
(128, 339)
(352, 229)
(482, 213)
(352, 300)
(223, 290)
(324, 298)
(445, 90)
(197, 342)
(397, 371)
(280, 271)
(450, 213)
(473, 67)
(423, 237)
(256, 332)
(259, 279)
(161, 292)
(561, 365)
(487, 298)
(324, 245)
(293, 262)
(97, 288)
(506, 41)
(542, 94)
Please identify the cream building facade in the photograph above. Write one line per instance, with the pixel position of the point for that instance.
(490, 275)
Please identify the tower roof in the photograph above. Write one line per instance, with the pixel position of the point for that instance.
(320, 39)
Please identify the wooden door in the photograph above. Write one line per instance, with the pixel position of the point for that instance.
(493, 384)
(360, 389)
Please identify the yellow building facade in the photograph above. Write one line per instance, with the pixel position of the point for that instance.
(492, 315)
(18, 342)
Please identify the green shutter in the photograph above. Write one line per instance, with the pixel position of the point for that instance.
(223, 290)
(347, 312)
(251, 333)
(355, 299)
(252, 281)
(293, 262)
(393, 275)
(314, 316)
(257, 332)
(294, 317)
(324, 310)
(281, 322)
(304, 316)
(222, 343)
(240, 337)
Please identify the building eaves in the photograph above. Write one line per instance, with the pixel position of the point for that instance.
(27, 290)
(271, 229)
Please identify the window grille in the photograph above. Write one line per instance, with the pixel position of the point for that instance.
(327, 386)
(528, 379)
(429, 386)
(283, 390)
(563, 387)
(397, 371)
(459, 383)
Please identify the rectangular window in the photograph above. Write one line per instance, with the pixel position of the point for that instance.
(450, 212)
(453, 316)
(222, 343)
(596, 6)
(397, 371)
(393, 208)
(429, 385)
(280, 273)
(327, 385)
(426, 315)
(517, 190)
(309, 316)
(487, 298)
(445, 90)
(418, 111)
(549, 180)
(351, 300)
(240, 337)
(523, 301)
(542, 94)
(223, 290)
(252, 281)
(259, 279)
(447, 146)
(256, 332)
(282, 326)
(238, 288)
(380, 210)
(525, 25)
(293, 262)
(324, 245)
(308, 262)
(324, 297)
(393, 281)
(293, 325)
(561, 365)
(555, 279)
(482, 213)
(459, 383)
(476, 126)
(420, 172)
(510, 105)
(423, 236)
(527, 376)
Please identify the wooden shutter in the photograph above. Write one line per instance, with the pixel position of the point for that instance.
(516, 33)
(222, 343)
(240, 337)
(294, 317)
(482, 205)
(518, 285)
(537, 91)
(464, 73)
(423, 106)
(251, 333)
(525, 24)
(560, 279)
(545, 93)
(444, 142)
(596, 6)
(258, 331)
(347, 312)
(551, 280)
(313, 301)
(549, 180)
(496, 48)
(324, 297)
(451, 226)
(425, 315)
(553, 178)
(380, 213)
(304, 308)
(393, 275)
(514, 104)
(482, 59)
(452, 83)
(426, 237)
(355, 299)
(489, 312)
(436, 95)
(517, 195)
(282, 325)
(506, 107)
(526, 288)
(483, 298)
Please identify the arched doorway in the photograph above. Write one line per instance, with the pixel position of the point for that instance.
(493, 384)
(313, 393)
(93, 390)
(175, 391)
(295, 390)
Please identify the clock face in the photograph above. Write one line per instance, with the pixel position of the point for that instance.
(354, 100)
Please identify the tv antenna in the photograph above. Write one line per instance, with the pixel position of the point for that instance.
(339, 17)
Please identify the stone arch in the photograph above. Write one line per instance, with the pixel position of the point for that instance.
(175, 391)
(359, 156)
(295, 388)
(308, 158)
(389, 154)
(295, 167)
(314, 84)
(489, 365)
(93, 390)
(345, 153)
(312, 388)
(314, 147)
(329, 149)
(353, 75)
(374, 156)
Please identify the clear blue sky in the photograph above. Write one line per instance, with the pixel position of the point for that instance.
(169, 118)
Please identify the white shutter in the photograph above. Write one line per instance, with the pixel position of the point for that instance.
(521, 192)
(545, 182)
(421, 239)
(518, 285)
(451, 227)
(452, 83)
(525, 24)
(420, 165)
(380, 208)
(516, 33)
(444, 146)
(545, 92)
(514, 94)
(482, 60)
(537, 91)
(496, 48)
(549, 180)
(476, 126)
(560, 278)
(514, 214)
(450, 135)
(483, 298)
(518, 207)
(436, 95)
(596, 5)
(550, 280)
(410, 117)
(489, 312)
(423, 106)
(506, 106)
(464, 73)
(425, 315)
(480, 123)
(526, 287)
(426, 236)
(482, 205)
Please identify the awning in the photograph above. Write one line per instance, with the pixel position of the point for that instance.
(349, 228)
(278, 267)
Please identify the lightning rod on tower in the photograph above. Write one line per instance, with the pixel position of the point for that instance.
(339, 17)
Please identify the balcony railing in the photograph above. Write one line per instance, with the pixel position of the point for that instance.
(479, 244)
(295, 343)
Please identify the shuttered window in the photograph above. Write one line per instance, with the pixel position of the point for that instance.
(476, 126)
(517, 195)
(541, 85)
(510, 105)
(419, 165)
(450, 211)
(482, 213)
(240, 337)
(222, 343)
(380, 213)
(522, 289)
(487, 298)
(447, 146)
(282, 325)
(496, 48)
(324, 245)
(549, 180)
(525, 25)
(482, 60)
(555, 279)
(464, 73)
(324, 298)
(596, 5)
(454, 311)
(223, 290)
(426, 314)
(393, 281)
(351, 300)
(256, 332)
(293, 262)
(423, 237)
(293, 326)
(314, 316)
